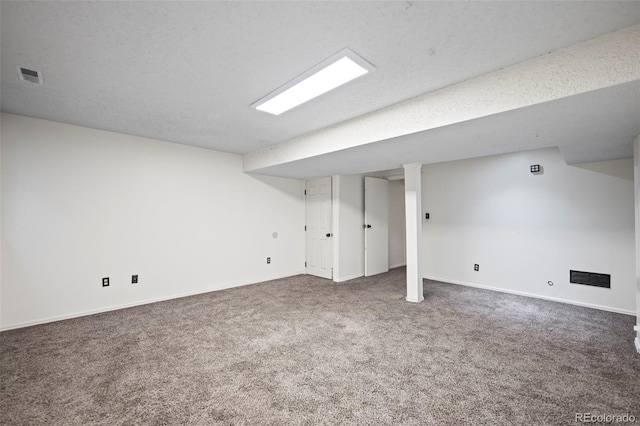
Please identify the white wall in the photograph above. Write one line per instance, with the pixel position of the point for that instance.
(348, 218)
(1, 257)
(524, 229)
(636, 173)
(397, 225)
(80, 204)
(348, 208)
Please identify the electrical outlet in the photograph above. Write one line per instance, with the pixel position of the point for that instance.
(105, 282)
(268, 260)
(134, 279)
(476, 267)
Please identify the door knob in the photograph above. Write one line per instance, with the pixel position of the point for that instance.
(328, 235)
(368, 226)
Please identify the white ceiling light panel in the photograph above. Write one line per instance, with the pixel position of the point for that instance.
(337, 70)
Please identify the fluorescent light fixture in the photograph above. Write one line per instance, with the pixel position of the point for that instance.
(339, 69)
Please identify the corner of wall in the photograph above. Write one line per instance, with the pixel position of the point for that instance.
(186, 221)
(348, 244)
(335, 225)
(1, 118)
(583, 219)
(636, 184)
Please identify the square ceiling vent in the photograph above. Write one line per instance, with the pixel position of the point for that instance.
(30, 75)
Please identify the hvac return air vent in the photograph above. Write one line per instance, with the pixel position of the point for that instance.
(590, 278)
(30, 75)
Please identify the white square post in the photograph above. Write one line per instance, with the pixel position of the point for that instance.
(413, 212)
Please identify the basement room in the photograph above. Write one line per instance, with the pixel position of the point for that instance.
(319, 212)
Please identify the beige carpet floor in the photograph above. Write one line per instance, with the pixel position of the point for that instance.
(303, 351)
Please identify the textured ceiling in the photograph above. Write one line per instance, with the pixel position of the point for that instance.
(593, 122)
(468, 119)
(187, 72)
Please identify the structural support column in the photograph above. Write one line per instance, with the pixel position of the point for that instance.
(636, 173)
(413, 211)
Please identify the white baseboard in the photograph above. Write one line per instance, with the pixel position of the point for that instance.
(360, 275)
(637, 342)
(536, 296)
(348, 277)
(125, 306)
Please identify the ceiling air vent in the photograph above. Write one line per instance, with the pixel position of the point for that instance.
(30, 75)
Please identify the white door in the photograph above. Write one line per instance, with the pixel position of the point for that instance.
(376, 235)
(319, 255)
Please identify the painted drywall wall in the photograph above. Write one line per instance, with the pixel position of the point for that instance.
(526, 229)
(397, 225)
(636, 174)
(348, 220)
(0, 224)
(80, 204)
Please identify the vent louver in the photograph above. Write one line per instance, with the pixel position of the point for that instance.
(30, 75)
(590, 278)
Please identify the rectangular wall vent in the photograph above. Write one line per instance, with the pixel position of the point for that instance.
(590, 278)
(30, 75)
